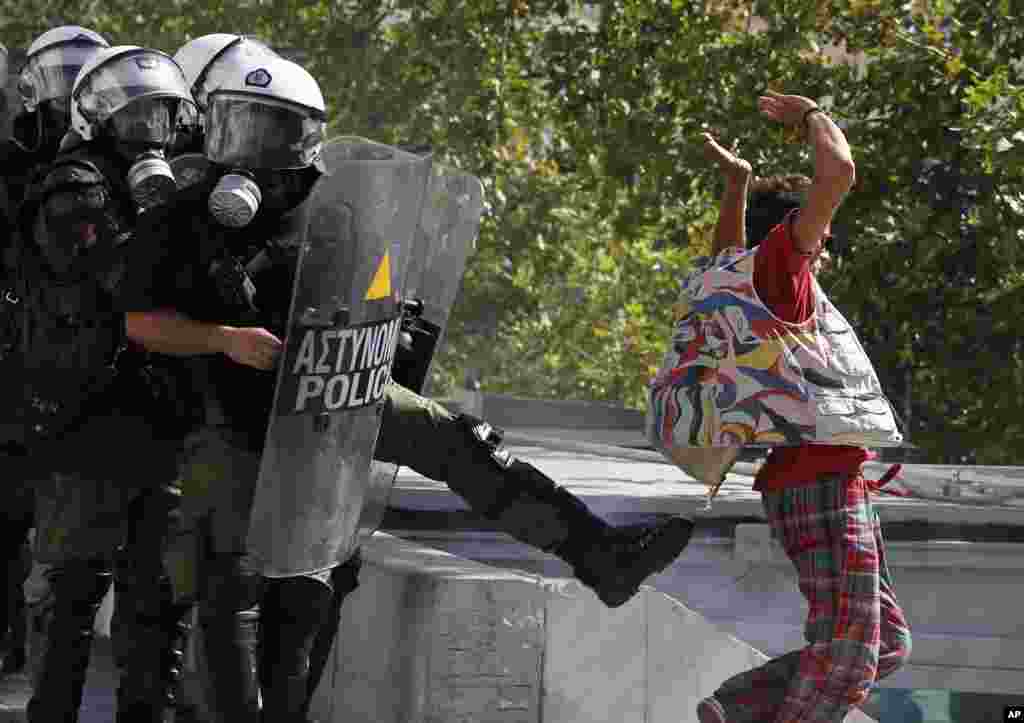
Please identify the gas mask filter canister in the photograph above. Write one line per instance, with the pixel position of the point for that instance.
(235, 200)
(151, 180)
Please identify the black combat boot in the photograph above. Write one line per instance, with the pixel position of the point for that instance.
(527, 504)
(77, 589)
(291, 614)
(229, 641)
(149, 634)
(612, 561)
(179, 622)
(14, 616)
(344, 580)
(615, 562)
(15, 565)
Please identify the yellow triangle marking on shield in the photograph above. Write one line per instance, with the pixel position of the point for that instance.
(380, 287)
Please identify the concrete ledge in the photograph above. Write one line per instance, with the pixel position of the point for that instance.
(429, 637)
(508, 411)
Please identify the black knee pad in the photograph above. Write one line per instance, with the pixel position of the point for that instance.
(294, 601)
(77, 589)
(84, 581)
(345, 578)
(487, 439)
(478, 467)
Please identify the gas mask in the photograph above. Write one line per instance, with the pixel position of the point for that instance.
(275, 141)
(235, 200)
(151, 180)
(142, 129)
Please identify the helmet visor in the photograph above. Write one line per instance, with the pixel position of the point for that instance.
(113, 85)
(51, 73)
(147, 120)
(254, 132)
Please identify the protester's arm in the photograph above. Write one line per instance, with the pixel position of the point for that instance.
(730, 230)
(834, 169)
(834, 176)
(167, 331)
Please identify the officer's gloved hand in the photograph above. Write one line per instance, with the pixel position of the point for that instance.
(412, 325)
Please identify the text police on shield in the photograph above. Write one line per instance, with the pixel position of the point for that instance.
(336, 369)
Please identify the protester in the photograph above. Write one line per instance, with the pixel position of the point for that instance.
(761, 357)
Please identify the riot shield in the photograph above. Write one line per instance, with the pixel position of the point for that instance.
(445, 239)
(342, 331)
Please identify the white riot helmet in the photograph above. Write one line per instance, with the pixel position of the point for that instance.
(134, 96)
(52, 63)
(45, 82)
(267, 116)
(118, 78)
(207, 59)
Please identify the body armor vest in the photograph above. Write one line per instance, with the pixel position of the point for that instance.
(250, 272)
(736, 375)
(72, 335)
(18, 167)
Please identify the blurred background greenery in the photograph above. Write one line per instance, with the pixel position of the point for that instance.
(583, 122)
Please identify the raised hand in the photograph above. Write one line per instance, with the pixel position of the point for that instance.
(733, 167)
(786, 109)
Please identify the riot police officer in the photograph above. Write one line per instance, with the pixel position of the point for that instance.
(207, 62)
(101, 414)
(44, 86)
(210, 278)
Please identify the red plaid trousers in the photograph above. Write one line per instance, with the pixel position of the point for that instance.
(855, 628)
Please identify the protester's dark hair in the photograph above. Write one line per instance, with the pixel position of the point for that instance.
(771, 198)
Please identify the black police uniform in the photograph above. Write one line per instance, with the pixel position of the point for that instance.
(17, 166)
(198, 275)
(183, 259)
(103, 430)
(17, 515)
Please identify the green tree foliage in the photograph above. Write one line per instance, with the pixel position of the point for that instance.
(585, 126)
